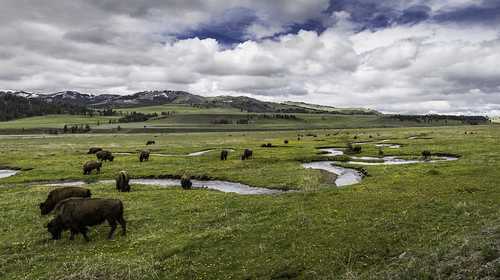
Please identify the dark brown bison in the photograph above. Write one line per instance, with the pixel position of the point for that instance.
(59, 194)
(144, 156)
(224, 154)
(247, 154)
(76, 214)
(286, 141)
(122, 182)
(150, 142)
(426, 155)
(91, 165)
(104, 155)
(268, 145)
(186, 182)
(94, 150)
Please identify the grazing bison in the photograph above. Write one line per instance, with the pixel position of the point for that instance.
(186, 182)
(223, 154)
(144, 156)
(150, 142)
(94, 150)
(91, 165)
(104, 155)
(286, 141)
(268, 145)
(59, 194)
(122, 181)
(247, 154)
(76, 214)
(426, 155)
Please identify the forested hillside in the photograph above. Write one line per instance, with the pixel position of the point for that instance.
(14, 107)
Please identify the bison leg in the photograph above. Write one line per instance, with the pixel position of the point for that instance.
(83, 230)
(112, 223)
(73, 233)
(123, 224)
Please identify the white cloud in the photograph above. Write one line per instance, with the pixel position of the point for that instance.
(125, 46)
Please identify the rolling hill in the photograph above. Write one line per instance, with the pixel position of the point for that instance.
(154, 98)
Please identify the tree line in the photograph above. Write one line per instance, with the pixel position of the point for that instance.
(14, 107)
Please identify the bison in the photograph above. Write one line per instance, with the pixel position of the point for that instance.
(223, 154)
(150, 142)
(122, 182)
(247, 154)
(186, 182)
(59, 194)
(76, 214)
(94, 150)
(91, 165)
(144, 156)
(104, 155)
(426, 155)
(285, 141)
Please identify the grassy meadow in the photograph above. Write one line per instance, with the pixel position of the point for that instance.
(185, 118)
(419, 221)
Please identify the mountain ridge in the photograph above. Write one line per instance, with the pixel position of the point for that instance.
(162, 97)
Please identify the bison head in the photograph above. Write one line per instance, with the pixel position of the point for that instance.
(44, 208)
(55, 229)
(111, 158)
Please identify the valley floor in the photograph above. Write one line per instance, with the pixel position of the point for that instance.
(417, 221)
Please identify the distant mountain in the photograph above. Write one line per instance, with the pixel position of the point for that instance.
(149, 98)
(14, 105)
(332, 109)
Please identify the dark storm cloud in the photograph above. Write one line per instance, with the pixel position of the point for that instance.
(487, 12)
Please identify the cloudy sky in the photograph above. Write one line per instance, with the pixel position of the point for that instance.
(414, 56)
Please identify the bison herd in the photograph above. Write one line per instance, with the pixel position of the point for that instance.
(75, 210)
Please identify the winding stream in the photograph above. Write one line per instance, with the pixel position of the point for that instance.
(194, 154)
(223, 186)
(344, 176)
(4, 173)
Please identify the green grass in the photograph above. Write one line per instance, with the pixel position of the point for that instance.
(192, 119)
(422, 221)
(53, 121)
(180, 108)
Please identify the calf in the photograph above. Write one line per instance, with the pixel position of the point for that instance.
(76, 214)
